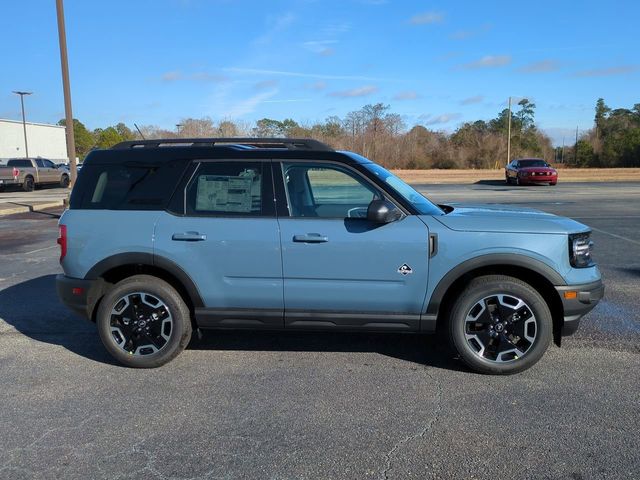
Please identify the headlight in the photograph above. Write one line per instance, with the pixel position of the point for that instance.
(580, 247)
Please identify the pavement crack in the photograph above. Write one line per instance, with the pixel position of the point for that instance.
(391, 454)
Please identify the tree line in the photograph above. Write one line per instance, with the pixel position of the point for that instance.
(614, 140)
(381, 135)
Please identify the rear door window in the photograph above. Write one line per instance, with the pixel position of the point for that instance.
(230, 188)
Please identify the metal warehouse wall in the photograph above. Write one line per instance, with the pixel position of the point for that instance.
(44, 140)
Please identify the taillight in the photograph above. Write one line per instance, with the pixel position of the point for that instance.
(62, 241)
(16, 172)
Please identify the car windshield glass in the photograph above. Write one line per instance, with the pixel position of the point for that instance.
(419, 201)
(532, 163)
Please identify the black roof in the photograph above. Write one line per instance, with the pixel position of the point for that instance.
(163, 150)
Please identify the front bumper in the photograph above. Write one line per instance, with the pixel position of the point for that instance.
(79, 295)
(577, 305)
(539, 179)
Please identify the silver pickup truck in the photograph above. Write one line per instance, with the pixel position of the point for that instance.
(32, 172)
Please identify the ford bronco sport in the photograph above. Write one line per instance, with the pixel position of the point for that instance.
(166, 236)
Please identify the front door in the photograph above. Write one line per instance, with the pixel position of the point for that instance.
(226, 239)
(47, 171)
(340, 269)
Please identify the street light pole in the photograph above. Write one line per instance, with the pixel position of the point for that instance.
(509, 135)
(64, 63)
(24, 121)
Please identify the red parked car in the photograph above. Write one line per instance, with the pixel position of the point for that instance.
(525, 171)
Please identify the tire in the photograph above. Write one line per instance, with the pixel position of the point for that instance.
(553, 184)
(29, 185)
(158, 304)
(64, 181)
(507, 346)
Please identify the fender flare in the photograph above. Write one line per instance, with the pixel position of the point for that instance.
(490, 260)
(151, 260)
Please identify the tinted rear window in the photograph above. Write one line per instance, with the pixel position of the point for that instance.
(126, 186)
(19, 163)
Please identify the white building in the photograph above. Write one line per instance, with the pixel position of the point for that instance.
(43, 140)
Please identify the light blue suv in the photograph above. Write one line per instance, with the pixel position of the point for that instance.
(166, 236)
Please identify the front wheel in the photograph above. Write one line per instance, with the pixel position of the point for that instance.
(143, 322)
(500, 325)
(64, 181)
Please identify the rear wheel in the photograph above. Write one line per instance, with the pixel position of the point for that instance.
(29, 185)
(500, 325)
(64, 181)
(143, 322)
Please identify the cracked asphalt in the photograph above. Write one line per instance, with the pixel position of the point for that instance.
(315, 406)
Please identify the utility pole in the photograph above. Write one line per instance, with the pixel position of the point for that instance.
(576, 153)
(64, 64)
(562, 155)
(24, 122)
(509, 135)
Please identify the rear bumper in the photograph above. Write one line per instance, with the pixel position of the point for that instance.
(586, 298)
(79, 295)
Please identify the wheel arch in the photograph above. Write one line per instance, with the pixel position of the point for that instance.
(113, 269)
(534, 272)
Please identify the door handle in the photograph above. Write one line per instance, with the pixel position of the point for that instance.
(311, 238)
(189, 237)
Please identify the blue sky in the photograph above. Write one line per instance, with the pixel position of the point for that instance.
(436, 63)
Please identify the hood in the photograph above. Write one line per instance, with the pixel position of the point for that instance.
(504, 218)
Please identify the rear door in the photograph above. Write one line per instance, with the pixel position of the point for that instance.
(224, 235)
(341, 270)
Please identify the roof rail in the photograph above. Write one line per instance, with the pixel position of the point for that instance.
(289, 143)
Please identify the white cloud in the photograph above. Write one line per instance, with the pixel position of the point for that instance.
(264, 84)
(355, 92)
(260, 71)
(426, 18)
(320, 47)
(609, 71)
(472, 100)
(249, 105)
(172, 76)
(441, 119)
(406, 95)
(465, 34)
(489, 61)
(542, 66)
(319, 85)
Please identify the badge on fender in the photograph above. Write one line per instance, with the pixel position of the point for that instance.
(405, 269)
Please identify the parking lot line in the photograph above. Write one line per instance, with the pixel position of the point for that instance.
(615, 235)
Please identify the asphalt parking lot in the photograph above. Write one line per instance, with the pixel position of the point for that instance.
(289, 406)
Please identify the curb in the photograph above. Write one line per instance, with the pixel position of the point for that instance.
(26, 208)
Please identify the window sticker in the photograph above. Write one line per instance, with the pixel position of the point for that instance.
(225, 193)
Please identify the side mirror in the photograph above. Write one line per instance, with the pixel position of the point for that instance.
(383, 211)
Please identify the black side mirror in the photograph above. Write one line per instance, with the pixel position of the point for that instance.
(383, 211)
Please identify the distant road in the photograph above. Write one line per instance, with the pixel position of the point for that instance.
(474, 176)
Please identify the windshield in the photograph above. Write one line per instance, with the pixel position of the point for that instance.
(532, 163)
(415, 198)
